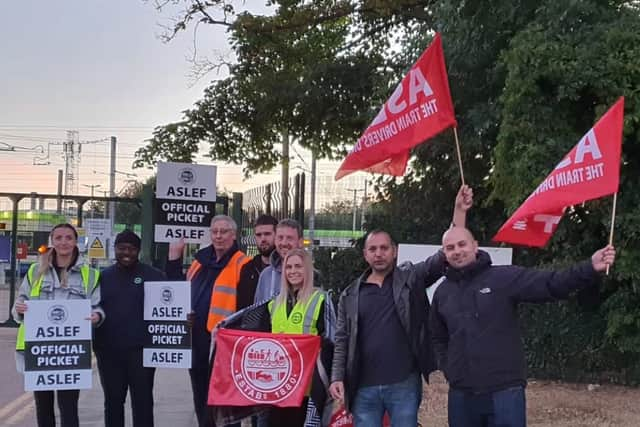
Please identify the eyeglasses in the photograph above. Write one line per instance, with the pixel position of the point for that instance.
(220, 231)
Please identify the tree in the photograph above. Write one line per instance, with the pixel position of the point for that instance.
(290, 82)
(528, 79)
(336, 215)
(127, 213)
(584, 56)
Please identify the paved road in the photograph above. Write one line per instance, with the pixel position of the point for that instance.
(173, 406)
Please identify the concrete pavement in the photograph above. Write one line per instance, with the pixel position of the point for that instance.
(172, 391)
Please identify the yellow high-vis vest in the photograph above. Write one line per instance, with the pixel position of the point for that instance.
(90, 278)
(303, 319)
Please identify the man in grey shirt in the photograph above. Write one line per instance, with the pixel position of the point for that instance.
(288, 236)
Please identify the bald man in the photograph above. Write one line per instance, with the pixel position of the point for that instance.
(475, 331)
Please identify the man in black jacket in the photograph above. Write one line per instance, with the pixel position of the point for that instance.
(265, 235)
(475, 331)
(119, 340)
(381, 340)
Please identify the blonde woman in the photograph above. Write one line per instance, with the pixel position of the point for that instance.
(59, 274)
(298, 309)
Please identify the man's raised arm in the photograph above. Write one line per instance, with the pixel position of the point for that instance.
(432, 268)
(464, 201)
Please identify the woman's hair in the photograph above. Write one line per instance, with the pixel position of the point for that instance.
(47, 258)
(306, 290)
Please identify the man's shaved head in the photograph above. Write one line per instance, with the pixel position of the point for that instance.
(459, 246)
(456, 232)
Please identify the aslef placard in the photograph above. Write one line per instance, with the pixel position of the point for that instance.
(168, 336)
(57, 353)
(185, 202)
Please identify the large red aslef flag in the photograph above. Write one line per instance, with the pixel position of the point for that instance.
(260, 368)
(419, 108)
(590, 170)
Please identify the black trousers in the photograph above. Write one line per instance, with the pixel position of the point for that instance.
(288, 417)
(199, 374)
(122, 371)
(67, 404)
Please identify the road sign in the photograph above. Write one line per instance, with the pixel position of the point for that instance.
(96, 249)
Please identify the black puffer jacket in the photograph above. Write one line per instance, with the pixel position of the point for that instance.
(474, 319)
(410, 299)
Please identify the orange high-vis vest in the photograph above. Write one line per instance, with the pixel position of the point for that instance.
(225, 289)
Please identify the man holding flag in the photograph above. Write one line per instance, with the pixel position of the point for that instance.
(474, 316)
(382, 344)
(475, 330)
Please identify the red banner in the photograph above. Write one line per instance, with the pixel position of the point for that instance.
(590, 170)
(260, 368)
(419, 108)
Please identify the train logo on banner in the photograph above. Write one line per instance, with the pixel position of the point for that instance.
(262, 368)
(264, 371)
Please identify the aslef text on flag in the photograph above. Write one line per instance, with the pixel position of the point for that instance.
(419, 108)
(589, 171)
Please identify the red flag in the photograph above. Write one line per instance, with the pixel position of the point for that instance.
(590, 170)
(260, 368)
(342, 418)
(419, 108)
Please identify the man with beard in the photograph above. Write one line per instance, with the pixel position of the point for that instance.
(119, 340)
(382, 342)
(214, 275)
(265, 232)
(288, 236)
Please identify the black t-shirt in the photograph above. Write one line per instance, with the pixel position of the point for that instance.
(384, 348)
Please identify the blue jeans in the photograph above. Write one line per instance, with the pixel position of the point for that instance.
(401, 400)
(504, 408)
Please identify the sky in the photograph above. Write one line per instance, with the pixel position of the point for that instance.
(98, 67)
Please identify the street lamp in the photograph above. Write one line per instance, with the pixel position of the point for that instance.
(92, 187)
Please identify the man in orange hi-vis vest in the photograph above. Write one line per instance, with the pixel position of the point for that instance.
(214, 275)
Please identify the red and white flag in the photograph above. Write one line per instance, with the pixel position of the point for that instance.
(260, 368)
(590, 170)
(419, 108)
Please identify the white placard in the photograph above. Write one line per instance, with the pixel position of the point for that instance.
(417, 253)
(57, 345)
(185, 202)
(186, 181)
(173, 233)
(168, 336)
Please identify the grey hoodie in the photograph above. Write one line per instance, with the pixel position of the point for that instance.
(269, 281)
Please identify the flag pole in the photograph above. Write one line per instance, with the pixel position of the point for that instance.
(455, 134)
(613, 222)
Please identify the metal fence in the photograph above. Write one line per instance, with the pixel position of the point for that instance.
(26, 220)
(268, 199)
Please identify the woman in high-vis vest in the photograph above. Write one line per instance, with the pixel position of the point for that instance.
(298, 309)
(59, 274)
